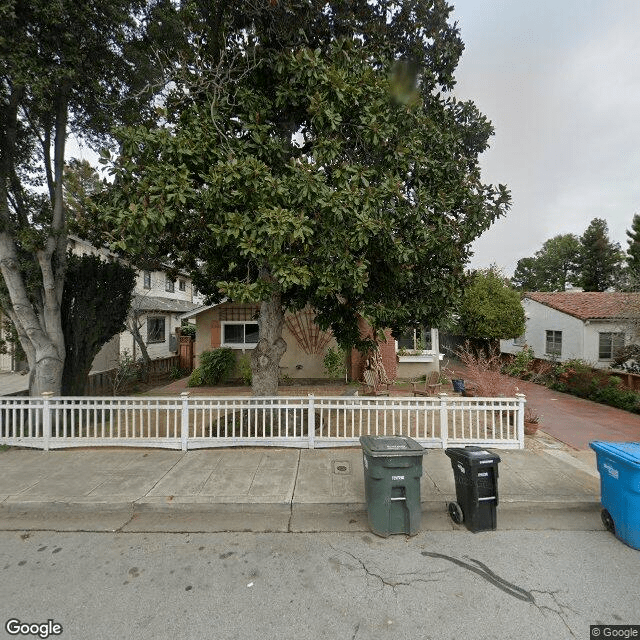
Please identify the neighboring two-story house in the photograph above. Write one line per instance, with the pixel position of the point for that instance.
(158, 304)
(591, 326)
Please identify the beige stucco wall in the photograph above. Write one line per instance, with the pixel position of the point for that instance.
(413, 370)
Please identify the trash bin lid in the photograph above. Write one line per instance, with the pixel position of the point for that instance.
(385, 446)
(627, 451)
(472, 455)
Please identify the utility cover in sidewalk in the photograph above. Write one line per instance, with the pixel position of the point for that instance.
(341, 467)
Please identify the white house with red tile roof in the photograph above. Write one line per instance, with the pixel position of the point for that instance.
(564, 325)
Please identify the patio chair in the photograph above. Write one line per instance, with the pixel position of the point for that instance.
(373, 386)
(431, 385)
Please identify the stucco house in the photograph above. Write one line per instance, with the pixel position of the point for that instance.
(235, 325)
(565, 325)
(160, 302)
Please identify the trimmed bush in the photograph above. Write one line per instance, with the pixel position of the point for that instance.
(215, 367)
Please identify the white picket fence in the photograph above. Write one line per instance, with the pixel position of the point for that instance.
(186, 422)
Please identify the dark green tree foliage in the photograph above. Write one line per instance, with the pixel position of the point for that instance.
(633, 252)
(490, 308)
(96, 300)
(368, 210)
(65, 66)
(554, 266)
(600, 259)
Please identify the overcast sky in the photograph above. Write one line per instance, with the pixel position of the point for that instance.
(560, 81)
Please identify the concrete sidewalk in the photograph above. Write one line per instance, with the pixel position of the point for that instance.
(253, 489)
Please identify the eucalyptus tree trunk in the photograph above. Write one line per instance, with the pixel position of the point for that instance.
(265, 358)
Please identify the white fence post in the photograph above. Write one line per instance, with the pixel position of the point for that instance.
(522, 399)
(184, 422)
(444, 419)
(46, 419)
(311, 421)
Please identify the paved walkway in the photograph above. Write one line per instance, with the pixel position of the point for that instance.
(575, 421)
(578, 422)
(261, 489)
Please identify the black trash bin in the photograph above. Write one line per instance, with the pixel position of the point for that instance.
(476, 475)
(392, 472)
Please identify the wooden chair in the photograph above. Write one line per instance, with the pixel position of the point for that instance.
(373, 386)
(431, 385)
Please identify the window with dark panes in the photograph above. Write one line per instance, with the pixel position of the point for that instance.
(169, 286)
(554, 343)
(155, 329)
(240, 334)
(609, 344)
(182, 285)
(146, 279)
(415, 339)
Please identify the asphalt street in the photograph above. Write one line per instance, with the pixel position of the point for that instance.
(437, 585)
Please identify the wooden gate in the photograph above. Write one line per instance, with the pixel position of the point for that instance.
(185, 352)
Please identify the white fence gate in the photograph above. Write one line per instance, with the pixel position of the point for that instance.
(306, 422)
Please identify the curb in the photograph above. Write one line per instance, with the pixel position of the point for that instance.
(210, 517)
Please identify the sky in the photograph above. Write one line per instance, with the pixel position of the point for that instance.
(560, 81)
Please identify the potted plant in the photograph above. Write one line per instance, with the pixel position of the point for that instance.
(531, 421)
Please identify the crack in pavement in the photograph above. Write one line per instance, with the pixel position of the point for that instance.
(385, 581)
(560, 612)
(484, 572)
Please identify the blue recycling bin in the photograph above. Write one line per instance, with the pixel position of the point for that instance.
(619, 468)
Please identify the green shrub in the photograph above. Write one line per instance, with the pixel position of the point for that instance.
(521, 364)
(579, 379)
(244, 369)
(614, 395)
(575, 377)
(215, 367)
(188, 330)
(334, 363)
(195, 379)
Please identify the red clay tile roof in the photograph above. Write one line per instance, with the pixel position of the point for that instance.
(586, 305)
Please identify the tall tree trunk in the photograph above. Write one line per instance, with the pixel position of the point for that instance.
(265, 359)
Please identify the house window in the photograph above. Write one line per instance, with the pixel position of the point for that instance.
(554, 343)
(169, 285)
(182, 285)
(240, 335)
(155, 330)
(609, 344)
(415, 339)
(146, 279)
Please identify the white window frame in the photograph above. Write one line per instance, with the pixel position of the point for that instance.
(182, 284)
(432, 340)
(237, 345)
(170, 285)
(557, 353)
(146, 280)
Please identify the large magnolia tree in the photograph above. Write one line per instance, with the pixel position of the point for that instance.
(320, 163)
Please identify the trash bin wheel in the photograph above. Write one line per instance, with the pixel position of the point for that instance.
(456, 512)
(607, 521)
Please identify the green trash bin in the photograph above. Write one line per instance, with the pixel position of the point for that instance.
(392, 472)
